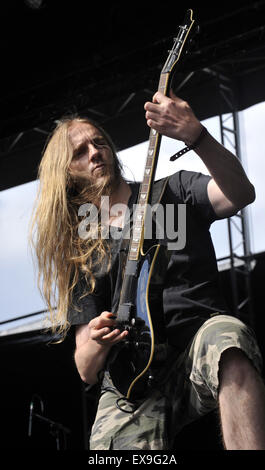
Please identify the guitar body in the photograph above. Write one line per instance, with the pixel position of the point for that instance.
(130, 366)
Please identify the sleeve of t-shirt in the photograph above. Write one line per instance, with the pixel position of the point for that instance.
(190, 187)
(84, 308)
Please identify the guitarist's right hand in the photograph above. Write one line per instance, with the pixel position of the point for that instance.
(103, 331)
(93, 342)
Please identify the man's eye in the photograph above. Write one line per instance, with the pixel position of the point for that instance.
(78, 153)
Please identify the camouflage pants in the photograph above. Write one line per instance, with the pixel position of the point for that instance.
(190, 391)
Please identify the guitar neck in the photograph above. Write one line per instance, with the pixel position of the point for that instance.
(148, 179)
(137, 239)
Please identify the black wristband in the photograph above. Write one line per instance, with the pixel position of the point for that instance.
(200, 138)
(193, 146)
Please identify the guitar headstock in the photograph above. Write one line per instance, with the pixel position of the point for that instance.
(179, 43)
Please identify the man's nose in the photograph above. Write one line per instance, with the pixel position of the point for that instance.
(93, 150)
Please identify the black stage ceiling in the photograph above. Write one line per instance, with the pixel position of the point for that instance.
(104, 60)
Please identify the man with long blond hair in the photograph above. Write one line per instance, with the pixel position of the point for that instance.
(217, 363)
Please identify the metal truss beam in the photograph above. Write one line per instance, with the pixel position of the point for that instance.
(240, 257)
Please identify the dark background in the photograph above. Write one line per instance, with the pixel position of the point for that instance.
(104, 61)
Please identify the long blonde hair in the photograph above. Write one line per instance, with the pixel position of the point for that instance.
(62, 256)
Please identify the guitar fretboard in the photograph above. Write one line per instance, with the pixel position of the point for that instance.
(149, 171)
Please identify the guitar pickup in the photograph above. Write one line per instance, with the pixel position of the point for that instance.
(125, 313)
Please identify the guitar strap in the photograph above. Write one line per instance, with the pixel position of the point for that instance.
(158, 190)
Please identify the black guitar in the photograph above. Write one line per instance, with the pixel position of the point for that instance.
(131, 362)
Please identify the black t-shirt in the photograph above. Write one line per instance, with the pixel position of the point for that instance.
(191, 292)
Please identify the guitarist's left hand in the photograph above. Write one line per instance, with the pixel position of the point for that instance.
(172, 117)
(229, 190)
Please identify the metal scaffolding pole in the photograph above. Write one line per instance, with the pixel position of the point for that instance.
(240, 256)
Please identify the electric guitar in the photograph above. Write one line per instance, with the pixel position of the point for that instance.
(132, 362)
